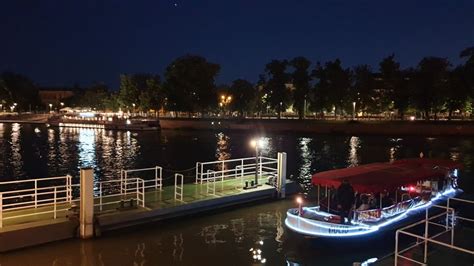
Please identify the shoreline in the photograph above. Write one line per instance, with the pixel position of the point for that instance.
(339, 127)
(347, 127)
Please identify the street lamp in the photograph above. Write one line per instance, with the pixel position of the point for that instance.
(353, 110)
(299, 200)
(50, 107)
(256, 143)
(62, 104)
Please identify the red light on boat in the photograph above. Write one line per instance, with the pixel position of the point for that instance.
(411, 188)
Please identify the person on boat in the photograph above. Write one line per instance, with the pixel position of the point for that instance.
(386, 200)
(345, 200)
(364, 203)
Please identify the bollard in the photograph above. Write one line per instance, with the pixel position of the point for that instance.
(281, 177)
(86, 217)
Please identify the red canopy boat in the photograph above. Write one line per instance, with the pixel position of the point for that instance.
(423, 182)
(377, 177)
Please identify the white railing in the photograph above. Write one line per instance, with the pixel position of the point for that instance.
(117, 191)
(46, 195)
(236, 168)
(425, 239)
(178, 186)
(156, 182)
(53, 195)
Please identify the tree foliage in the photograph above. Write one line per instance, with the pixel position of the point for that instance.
(19, 89)
(277, 93)
(190, 84)
(301, 81)
(244, 95)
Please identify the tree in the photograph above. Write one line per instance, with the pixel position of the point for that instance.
(467, 69)
(363, 93)
(457, 93)
(243, 94)
(333, 85)
(301, 79)
(389, 86)
(19, 89)
(129, 93)
(261, 101)
(93, 97)
(402, 93)
(431, 85)
(277, 93)
(189, 84)
(153, 96)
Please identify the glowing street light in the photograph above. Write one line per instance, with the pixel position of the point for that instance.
(50, 107)
(62, 104)
(256, 143)
(353, 110)
(299, 200)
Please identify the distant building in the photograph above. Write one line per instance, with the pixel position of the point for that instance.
(55, 95)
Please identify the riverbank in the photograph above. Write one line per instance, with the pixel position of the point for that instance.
(24, 118)
(424, 128)
(339, 127)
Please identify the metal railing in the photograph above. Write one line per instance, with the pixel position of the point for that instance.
(156, 182)
(235, 168)
(178, 186)
(117, 191)
(45, 195)
(425, 239)
(53, 195)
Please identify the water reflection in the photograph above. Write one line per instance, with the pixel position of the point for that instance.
(354, 145)
(222, 147)
(86, 147)
(16, 158)
(307, 158)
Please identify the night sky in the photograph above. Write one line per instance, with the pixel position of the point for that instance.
(59, 43)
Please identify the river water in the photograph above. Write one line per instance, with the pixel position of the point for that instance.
(224, 237)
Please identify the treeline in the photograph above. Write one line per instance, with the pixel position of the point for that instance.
(432, 87)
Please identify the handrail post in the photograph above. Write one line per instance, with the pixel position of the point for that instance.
(121, 181)
(1, 210)
(156, 177)
(143, 193)
(100, 196)
(55, 208)
(447, 218)
(138, 190)
(452, 227)
(242, 170)
(69, 188)
(125, 177)
(161, 178)
(222, 171)
(197, 172)
(396, 248)
(202, 169)
(425, 252)
(36, 193)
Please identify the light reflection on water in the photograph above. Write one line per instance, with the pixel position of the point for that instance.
(223, 238)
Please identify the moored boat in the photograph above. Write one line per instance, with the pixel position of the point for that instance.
(388, 193)
(104, 121)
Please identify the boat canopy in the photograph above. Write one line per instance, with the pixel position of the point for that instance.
(377, 177)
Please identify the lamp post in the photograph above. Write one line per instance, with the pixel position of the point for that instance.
(255, 143)
(50, 107)
(353, 110)
(299, 200)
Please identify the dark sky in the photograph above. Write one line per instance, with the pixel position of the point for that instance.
(67, 41)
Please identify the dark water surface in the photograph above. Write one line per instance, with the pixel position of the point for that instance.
(222, 238)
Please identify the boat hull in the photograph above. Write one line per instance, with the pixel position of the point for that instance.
(322, 229)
